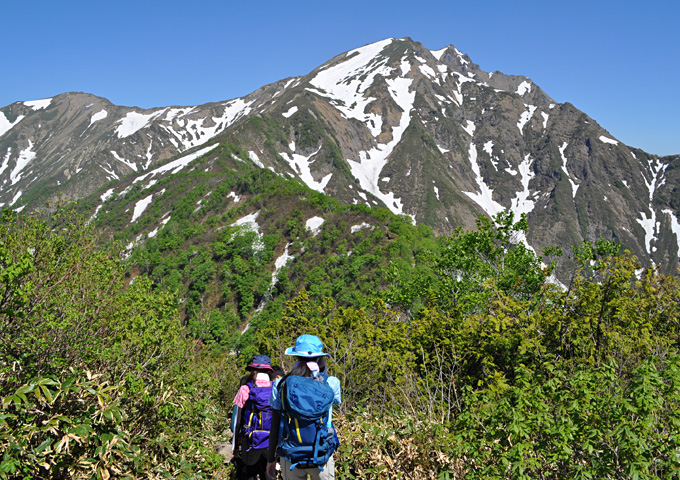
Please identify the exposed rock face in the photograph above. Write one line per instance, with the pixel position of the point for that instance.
(424, 133)
(68, 146)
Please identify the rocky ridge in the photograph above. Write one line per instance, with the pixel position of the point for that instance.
(423, 133)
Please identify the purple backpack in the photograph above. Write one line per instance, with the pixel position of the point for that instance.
(257, 418)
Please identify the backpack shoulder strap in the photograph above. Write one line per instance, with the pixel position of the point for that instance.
(281, 387)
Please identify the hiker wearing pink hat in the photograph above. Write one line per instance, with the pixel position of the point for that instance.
(302, 404)
(253, 420)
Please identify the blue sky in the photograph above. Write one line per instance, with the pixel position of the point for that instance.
(618, 61)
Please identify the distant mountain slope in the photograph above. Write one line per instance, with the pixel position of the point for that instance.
(425, 133)
(68, 146)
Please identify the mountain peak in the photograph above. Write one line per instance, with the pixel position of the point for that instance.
(424, 133)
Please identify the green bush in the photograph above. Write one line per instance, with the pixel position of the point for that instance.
(96, 377)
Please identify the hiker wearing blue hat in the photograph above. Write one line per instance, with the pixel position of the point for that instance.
(302, 408)
(307, 346)
(253, 420)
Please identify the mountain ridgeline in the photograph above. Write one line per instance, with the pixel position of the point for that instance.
(426, 134)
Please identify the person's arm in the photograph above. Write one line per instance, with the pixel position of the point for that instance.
(274, 436)
(234, 418)
(236, 445)
(273, 443)
(239, 402)
(334, 383)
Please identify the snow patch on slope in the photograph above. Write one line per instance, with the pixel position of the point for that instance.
(5, 162)
(132, 122)
(650, 225)
(111, 174)
(314, 225)
(367, 169)
(107, 194)
(149, 155)
(523, 203)
(96, 211)
(256, 160)
(16, 197)
(249, 223)
(485, 196)
(154, 232)
(39, 104)
(346, 82)
(405, 66)
(651, 228)
(574, 186)
(675, 226)
(290, 112)
(281, 262)
(523, 88)
(438, 53)
(488, 148)
(429, 72)
(361, 226)
(132, 165)
(658, 172)
(100, 115)
(525, 117)
(25, 156)
(248, 220)
(301, 165)
(140, 206)
(176, 165)
(188, 133)
(6, 125)
(469, 128)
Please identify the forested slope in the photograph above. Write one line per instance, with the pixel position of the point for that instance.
(234, 241)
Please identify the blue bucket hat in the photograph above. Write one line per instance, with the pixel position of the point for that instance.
(307, 346)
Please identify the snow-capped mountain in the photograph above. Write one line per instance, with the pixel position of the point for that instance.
(424, 133)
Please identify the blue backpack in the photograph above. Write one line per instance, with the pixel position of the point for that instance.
(257, 417)
(305, 438)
